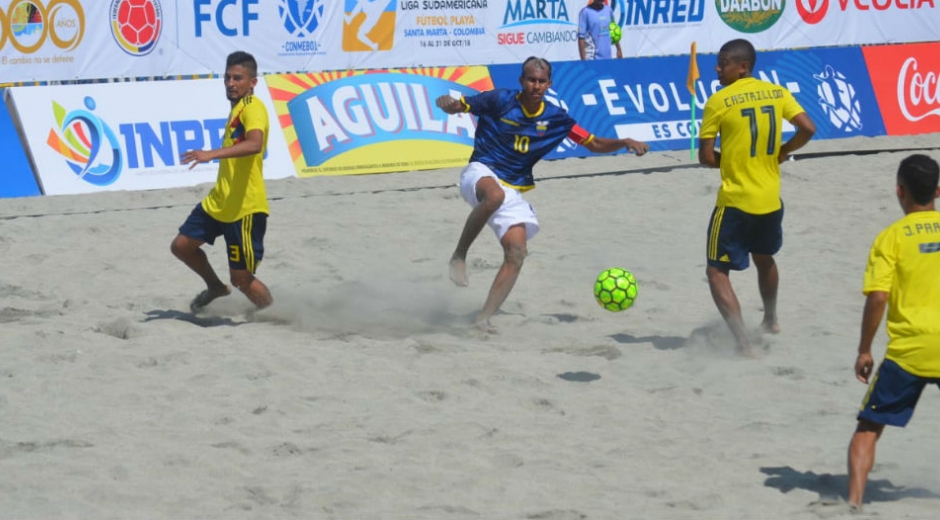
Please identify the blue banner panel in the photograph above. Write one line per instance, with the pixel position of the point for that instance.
(647, 98)
(16, 177)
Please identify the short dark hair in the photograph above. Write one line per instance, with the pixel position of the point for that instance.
(244, 59)
(919, 175)
(540, 63)
(740, 50)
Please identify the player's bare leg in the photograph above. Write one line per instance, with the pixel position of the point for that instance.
(514, 253)
(768, 280)
(252, 287)
(727, 302)
(189, 251)
(861, 459)
(490, 196)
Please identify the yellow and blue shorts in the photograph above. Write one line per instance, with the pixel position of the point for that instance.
(244, 238)
(892, 395)
(734, 234)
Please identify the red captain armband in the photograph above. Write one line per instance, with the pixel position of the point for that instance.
(580, 135)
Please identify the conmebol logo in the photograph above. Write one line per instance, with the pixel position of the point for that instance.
(918, 93)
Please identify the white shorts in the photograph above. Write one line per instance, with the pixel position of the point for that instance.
(514, 210)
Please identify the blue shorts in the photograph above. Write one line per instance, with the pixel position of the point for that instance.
(892, 395)
(244, 238)
(734, 234)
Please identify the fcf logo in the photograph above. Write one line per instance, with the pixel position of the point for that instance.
(136, 25)
(29, 23)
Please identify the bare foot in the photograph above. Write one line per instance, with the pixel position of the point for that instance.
(484, 325)
(458, 272)
(205, 298)
(746, 351)
(770, 327)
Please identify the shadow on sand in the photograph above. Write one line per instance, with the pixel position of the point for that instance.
(202, 321)
(834, 488)
(659, 342)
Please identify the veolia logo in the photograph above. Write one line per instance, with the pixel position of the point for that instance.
(750, 16)
(812, 11)
(28, 24)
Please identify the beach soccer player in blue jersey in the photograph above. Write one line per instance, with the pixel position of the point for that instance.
(515, 128)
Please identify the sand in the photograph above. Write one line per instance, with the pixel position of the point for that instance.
(363, 393)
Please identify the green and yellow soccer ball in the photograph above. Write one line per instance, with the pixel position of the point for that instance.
(615, 289)
(615, 32)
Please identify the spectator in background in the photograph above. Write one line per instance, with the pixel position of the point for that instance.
(594, 32)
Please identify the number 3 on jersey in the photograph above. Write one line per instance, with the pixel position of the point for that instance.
(522, 144)
(751, 114)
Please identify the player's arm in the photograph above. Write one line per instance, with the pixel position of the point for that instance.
(805, 128)
(582, 48)
(619, 50)
(875, 305)
(604, 144)
(252, 143)
(452, 105)
(707, 155)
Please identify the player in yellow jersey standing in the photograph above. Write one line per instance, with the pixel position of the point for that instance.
(903, 274)
(747, 114)
(237, 206)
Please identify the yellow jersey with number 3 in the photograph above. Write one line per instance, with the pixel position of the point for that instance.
(905, 263)
(748, 116)
(239, 189)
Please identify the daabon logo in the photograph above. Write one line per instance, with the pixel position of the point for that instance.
(88, 145)
(750, 16)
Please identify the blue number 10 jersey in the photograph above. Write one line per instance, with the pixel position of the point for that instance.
(510, 140)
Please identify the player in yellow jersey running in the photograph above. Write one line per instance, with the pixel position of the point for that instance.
(237, 206)
(903, 274)
(748, 116)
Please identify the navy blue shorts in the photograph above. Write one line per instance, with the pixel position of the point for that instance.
(892, 395)
(244, 238)
(733, 235)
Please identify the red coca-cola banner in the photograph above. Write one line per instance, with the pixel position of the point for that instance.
(906, 79)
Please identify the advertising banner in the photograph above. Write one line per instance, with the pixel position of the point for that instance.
(129, 136)
(54, 40)
(906, 79)
(665, 27)
(375, 121)
(647, 99)
(16, 176)
(47, 40)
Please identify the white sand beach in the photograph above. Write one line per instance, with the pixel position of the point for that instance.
(363, 393)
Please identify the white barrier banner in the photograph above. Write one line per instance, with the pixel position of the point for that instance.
(55, 40)
(129, 136)
(87, 39)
